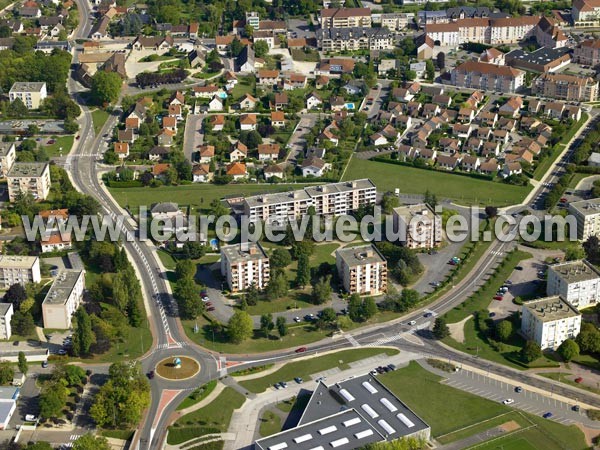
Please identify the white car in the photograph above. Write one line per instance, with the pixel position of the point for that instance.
(30, 418)
(297, 319)
(412, 323)
(205, 299)
(508, 401)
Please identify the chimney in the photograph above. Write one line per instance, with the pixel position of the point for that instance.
(252, 250)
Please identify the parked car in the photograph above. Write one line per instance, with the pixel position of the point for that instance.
(391, 366)
(519, 268)
(210, 308)
(297, 319)
(298, 380)
(508, 401)
(44, 364)
(283, 384)
(30, 418)
(518, 389)
(427, 314)
(301, 350)
(547, 415)
(578, 380)
(575, 408)
(498, 297)
(492, 314)
(62, 352)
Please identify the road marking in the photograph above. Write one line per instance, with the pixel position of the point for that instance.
(351, 339)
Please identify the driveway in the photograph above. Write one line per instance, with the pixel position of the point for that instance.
(379, 93)
(193, 136)
(297, 141)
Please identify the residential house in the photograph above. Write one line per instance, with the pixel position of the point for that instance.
(165, 137)
(201, 173)
(247, 102)
(160, 170)
(281, 101)
(470, 163)
(169, 123)
(492, 56)
(237, 170)
(378, 139)
(205, 91)
(489, 167)
(447, 162)
(238, 152)
(122, 149)
(274, 170)
(206, 153)
(277, 119)
(490, 148)
(126, 136)
(158, 153)
(176, 111)
(268, 152)
(512, 107)
(156, 43)
(248, 122)
(466, 115)
(216, 104)
(294, 81)
(313, 101)
(267, 77)
(511, 168)
(314, 167)
(217, 122)
(246, 60)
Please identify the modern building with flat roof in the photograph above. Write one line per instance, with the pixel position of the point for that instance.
(63, 299)
(6, 313)
(244, 265)
(578, 282)
(30, 93)
(8, 157)
(544, 59)
(549, 321)
(587, 214)
(29, 177)
(363, 270)
(349, 415)
(418, 225)
(19, 269)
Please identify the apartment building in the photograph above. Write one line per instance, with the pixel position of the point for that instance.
(542, 60)
(19, 269)
(330, 199)
(585, 12)
(482, 30)
(587, 52)
(244, 265)
(548, 34)
(396, 21)
(356, 38)
(418, 226)
(345, 17)
(565, 87)
(253, 19)
(63, 299)
(8, 156)
(489, 77)
(362, 270)
(6, 313)
(578, 282)
(30, 93)
(549, 321)
(29, 177)
(587, 214)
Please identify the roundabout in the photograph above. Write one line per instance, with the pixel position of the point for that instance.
(177, 368)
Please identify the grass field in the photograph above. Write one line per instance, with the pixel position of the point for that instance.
(99, 117)
(270, 423)
(198, 395)
(310, 366)
(214, 417)
(410, 180)
(199, 196)
(568, 379)
(64, 142)
(166, 259)
(577, 177)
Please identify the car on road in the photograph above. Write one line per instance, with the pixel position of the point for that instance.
(151, 374)
(578, 380)
(44, 364)
(519, 268)
(412, 323)
(547, 415)
(518, 389)
(309, 317)
(391, 366)
(77, 137)
(298, 380)
(427, 314)
(297, 319)
(62, 352)
(575, 408)
(508, 401)
(301, 350)
(30, 418)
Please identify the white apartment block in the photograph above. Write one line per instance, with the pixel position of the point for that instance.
(578, 282)
(63, 299)
(418, 226)
(244, 265)
(549, 321)
(394, 21)
(31, 93)
(333, 199)
(253, 19)
(345, 17)
(8, 155)
(19, 269)
(587, 214)
(6, 313)
(357, 38)
(586, 12)
(362, 270)
(30, 177)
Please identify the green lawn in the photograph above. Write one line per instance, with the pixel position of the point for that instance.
(270, 423)
(99, 118)
(124, 435)
(568, 379)
(481, 427)
(482, 298)
(213, 418)
(198, 395)
(310, 366)
(444, 408)
(136, 342)
(166, 259)
(577, 177)
(199, 196)
(64, 142)
(410, 180)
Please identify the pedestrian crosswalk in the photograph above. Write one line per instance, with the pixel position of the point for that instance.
(352, 341)
(72, 438)
(170, 345)
(497, 253)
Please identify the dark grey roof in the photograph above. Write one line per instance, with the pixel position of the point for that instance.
(246, 56)
(353, 33)
(165, 207)
(541, 56)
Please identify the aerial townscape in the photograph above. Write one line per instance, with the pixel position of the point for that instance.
(299, 225)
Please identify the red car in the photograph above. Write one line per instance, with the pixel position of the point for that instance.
(212, 308)
(578, 380)
(208, 304)
(563, 200)
(301, 350)
(498, 297)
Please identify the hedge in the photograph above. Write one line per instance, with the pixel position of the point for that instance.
(125, 184)
(478, 176)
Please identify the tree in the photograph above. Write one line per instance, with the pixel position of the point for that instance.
(251, 139)
(194, 250)
(266, 324)
(90, 442)
(429, 69)
(303, 271)
(185, 269)
(83, 337)
(282, 327)
(17, 109)
(504, 330)
(235, 48)
(53, 399)
(7, 373)
(261, 48)
(369, 308)
(23, 367)
(592, 249)
(588, 338)
(321, 291)
(16, 295)
(278, 285)
(280, 258)
(106, 87)
(430, 199)
(441, 60)
(355, 308)
(574, 252)
(491, 211)
(186, 295)
(531, 351)
(568, 350)
(389, 201)
(440, 328)
(252, 295)
(22, 323)
(240, 327)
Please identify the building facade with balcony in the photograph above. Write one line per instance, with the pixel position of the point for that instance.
(578, 282)
(30, 93)
(63, 299)
(549, 321)
(362, 270)
(19, 270)
(244, 265)
(418, 226)
(29, 177)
